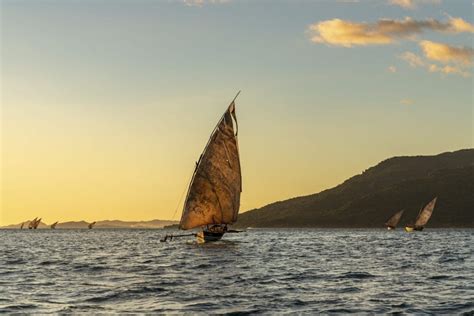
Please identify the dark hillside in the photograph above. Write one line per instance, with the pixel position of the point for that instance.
(368, 199)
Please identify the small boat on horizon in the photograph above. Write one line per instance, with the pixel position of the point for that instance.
(393, 221)
(53, 226)
(37, 223)
(31, 224)
(91, 225)
(213, 198)
(423, 217)
(34, 223)
(22, 224)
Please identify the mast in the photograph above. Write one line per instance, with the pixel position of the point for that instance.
(213, 195)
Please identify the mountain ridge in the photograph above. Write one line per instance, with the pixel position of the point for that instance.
(369, 198)
(151, 224)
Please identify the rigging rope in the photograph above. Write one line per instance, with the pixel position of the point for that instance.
(181, 198)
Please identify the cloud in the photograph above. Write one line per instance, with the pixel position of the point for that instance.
(383, 32)
(416, 61)
(445, 53)
(447, 70)
(407, 101)
(412, 4)
(412, 59)
(458, 25)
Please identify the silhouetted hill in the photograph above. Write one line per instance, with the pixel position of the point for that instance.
(368, 199)
(156, 223)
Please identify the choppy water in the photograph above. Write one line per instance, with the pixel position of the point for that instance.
(305, 271)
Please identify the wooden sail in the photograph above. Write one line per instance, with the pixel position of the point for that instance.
(53, 226)
(214, 192)
(392, 222)
(425, 214)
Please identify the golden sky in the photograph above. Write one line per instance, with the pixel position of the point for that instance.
(106, 106)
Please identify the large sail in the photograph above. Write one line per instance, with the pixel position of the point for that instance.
(425, 213)
(393, 221)
(214, 192)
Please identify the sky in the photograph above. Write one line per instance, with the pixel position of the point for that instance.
(106, 105)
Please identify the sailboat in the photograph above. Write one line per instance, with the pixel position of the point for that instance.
(91, 225)
(392, 222)
(31, 224)
(35, 226)
(213, 197)
(22, 224)
(53, 226)
(423, 217)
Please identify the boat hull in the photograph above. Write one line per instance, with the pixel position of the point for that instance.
(204, 236)
(412, 229)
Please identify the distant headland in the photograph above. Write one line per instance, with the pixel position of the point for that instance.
(370, 198)
(156, 223)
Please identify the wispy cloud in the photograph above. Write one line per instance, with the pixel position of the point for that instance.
(407, 101)
(383, 32)
(445, 53)
(412, 4)
(451, 60)
(412, 59)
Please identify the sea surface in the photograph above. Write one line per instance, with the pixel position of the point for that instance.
(267, 271)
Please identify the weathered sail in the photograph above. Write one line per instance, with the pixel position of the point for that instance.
(425, 213)
(393, 221)
(214, 192)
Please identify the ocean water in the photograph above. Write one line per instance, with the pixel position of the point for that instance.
(260, 271)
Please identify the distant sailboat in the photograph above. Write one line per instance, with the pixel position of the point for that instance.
(91, 225)
(53, 226)
(423, 217)
(392, 222)
(22, 224)
(37, 224)
(213, 198)
(31, 224)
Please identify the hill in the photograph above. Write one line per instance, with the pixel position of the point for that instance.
(368, 199)
(156, 223)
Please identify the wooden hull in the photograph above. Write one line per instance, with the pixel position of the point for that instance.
(411, 229)
(204, 236)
